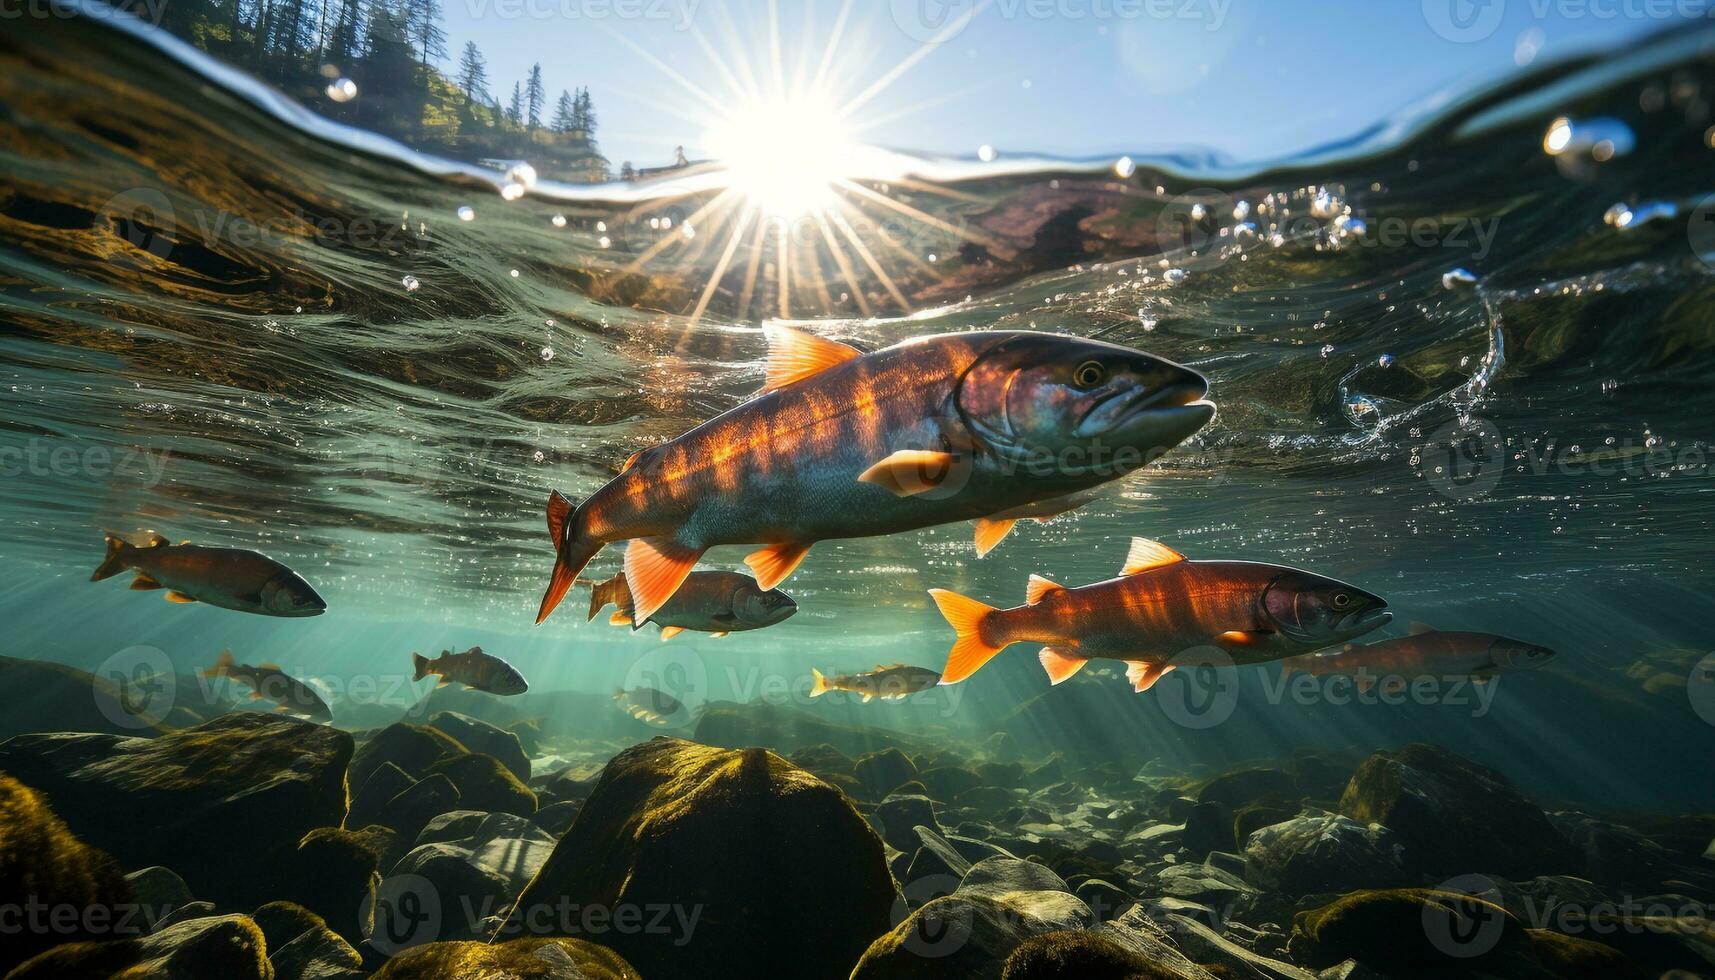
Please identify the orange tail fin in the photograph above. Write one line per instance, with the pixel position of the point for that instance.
(114, 563)
(611, 591)
(570, 556)
(971, 650)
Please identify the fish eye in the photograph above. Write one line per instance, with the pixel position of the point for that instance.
(1089, 374)
(1341, 600)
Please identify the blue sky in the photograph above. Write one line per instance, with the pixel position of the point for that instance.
(1250, 78)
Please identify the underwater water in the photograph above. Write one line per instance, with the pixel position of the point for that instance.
(1461, 361)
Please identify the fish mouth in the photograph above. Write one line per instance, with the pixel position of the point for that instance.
(1360, 623)
(1181, 402)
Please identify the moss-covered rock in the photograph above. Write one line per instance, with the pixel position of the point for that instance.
(1318, 854)
(42, 863)
(230, 947)
(881, 772)
(519, 959)
(1082, 953)
(485, 784)
(781, 874)
(480, 736)
(412, 748)
(333, 874)
(1454, 816)
(1409, 932)
(409, 812)
(243, 784)
(40, 696)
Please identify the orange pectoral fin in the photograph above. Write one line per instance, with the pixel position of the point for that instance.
(1144, 675)
(143, 583)
(1059, 666)
(909, 472)
(772, 565)
(178, 597)
(668, 632)
(990, 532)
(654, 570)
(619, 619)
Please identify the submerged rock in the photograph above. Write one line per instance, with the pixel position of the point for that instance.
(410, 748)
(900, 814)
(882, 772)
(246, 783)
(40, 696)
(480, 736)
(1237, 787)
(1084, 954)
(42, 862)
(1453, 816)
(717, 863)
(333, 874)
(520, 959)
(485, 784)
(1320, 854)
(230, 947)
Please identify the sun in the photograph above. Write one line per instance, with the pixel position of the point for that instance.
(785, 154)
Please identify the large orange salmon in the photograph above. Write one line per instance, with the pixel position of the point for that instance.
(1160, 606)
(844, 444)
(1426, 652)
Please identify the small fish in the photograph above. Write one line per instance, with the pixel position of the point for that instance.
(892, 683)
(473, 669)
(1160, 606)
(1426, 652)
(267, 682)
(847, 444)
(649, 705)
(716, 603)
(230, 578)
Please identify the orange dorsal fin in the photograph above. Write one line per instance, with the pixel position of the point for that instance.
(794, 355)
(971, 650)
(990, 531)
(909, 472)
(156, 540)
(772, 565)
(654, 570)
(630, 461)
(1146, 554)
(1144, 675)
(1040, 588)
(1058, 665)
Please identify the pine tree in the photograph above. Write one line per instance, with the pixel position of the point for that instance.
(423, 26)
(565, 114)
(473, 74)
(515, 110)
(534, 96)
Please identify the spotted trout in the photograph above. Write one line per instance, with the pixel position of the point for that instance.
(716, 603)
(844, 444)
(1161, 605)
(889, 683)
(230, 578)
(473, 669)
(267, 682)
(1426, 652)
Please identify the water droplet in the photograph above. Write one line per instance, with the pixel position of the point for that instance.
(410, 283)
(1175, 275)
(538, 456)
(547, 353)
(1386, 361)
(1458, 277)
(514, 273)
(467, 213)
(1124, 167)
(603, 241)
(522, 173)
(986, 153)
(601, 226)
(559, 221)
(512, 191)
(342, 90)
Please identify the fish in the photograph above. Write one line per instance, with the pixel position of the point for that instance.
(1161, 605)
(472, 668)
(231, 578)
(890, 683)
(843, 444)
(267, 682)
(654, 707)
(1425, 652)
(716, 603)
